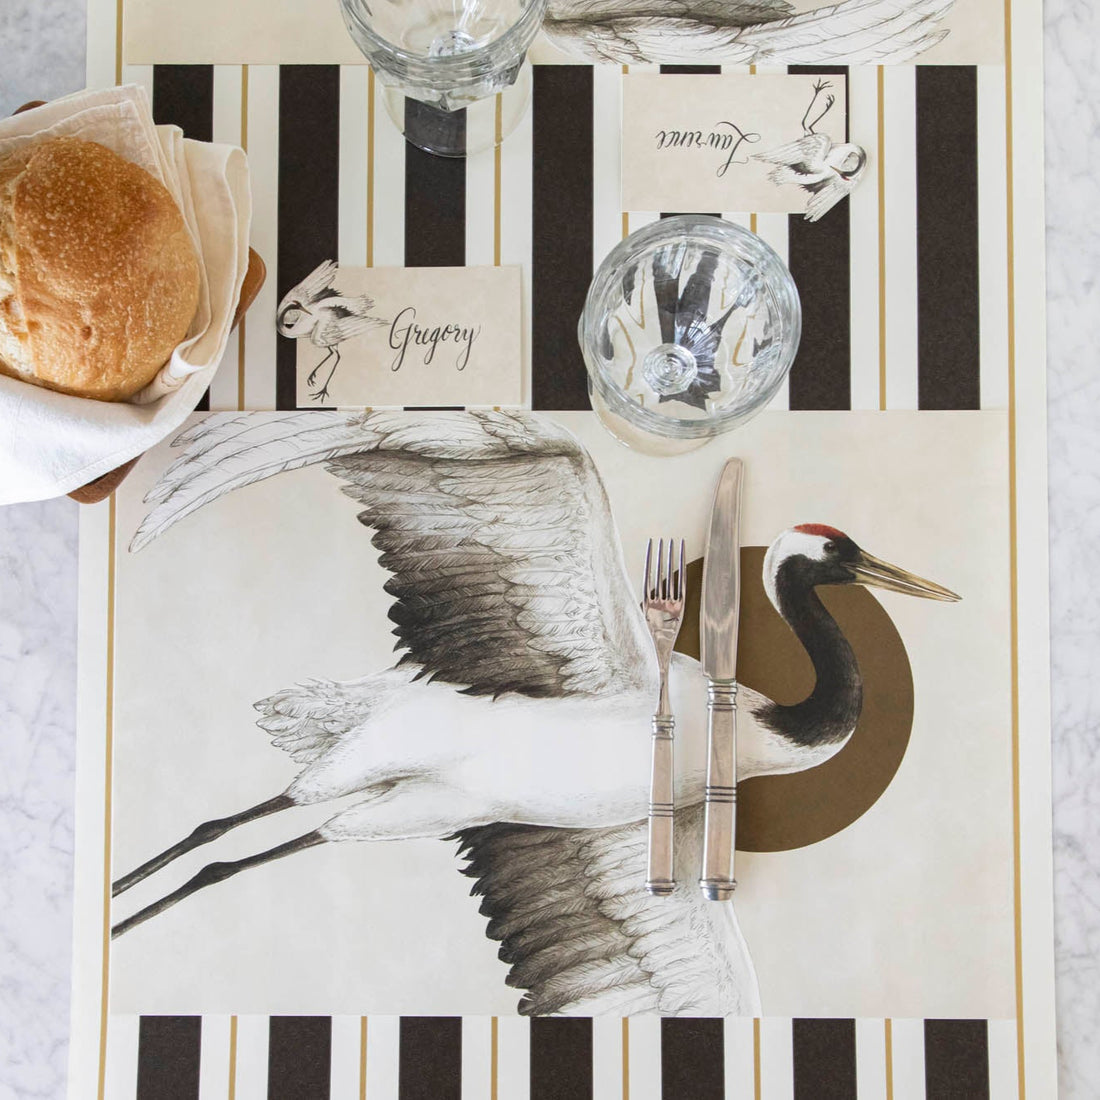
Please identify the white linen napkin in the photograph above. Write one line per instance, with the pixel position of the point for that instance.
(52, 443)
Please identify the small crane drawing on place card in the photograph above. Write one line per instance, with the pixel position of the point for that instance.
(827, 171)
(317, 310)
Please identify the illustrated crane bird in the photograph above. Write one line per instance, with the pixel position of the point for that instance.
(511, 721)
(746, 32)
(827, 171)
(317, 310)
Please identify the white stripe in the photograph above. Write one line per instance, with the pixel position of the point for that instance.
(214, 1058)
(871, 1059)
(477, 1056)
(776, 1058)
(1003, 1080)
(344, 1063)
(139, 74)
(645, 1058)
(480, 126)
(122, 1057)
(389, 186)
(900, 163)
(352, 204)
(863, 240)
(908, 1059)
(383, 1056)
(740, 1060)
(252, 1043)
(992, 242)
(515, 222)
(773, 228)
(513, 1058)
(639, 218)
(263, 161)
(227, 128)
(100, 56)
(607, 211)
(607, 1058)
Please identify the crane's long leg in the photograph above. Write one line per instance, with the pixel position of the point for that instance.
(203, 834)
(216, 872)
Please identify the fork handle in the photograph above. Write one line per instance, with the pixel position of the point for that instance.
(720, 815)
(659, 879)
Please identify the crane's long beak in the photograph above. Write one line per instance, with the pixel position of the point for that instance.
(876, 573)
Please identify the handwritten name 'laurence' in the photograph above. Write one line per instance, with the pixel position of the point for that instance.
(405, 333)
(727, 140)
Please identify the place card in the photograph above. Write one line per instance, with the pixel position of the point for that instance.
(399, 336)
(711, 143)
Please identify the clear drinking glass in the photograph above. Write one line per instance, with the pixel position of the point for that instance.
(689, 328)
(443, 63)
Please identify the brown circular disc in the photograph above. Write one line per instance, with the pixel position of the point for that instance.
(776, 813)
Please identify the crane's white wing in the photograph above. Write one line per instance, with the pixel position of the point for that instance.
(802, 158)
(583, 937)
(873, 32)
(312, 286)
(507, 569)
(825, 197)
(341, 322)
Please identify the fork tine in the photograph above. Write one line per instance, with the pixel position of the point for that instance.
(681, 576)
(645, 579)
(670, 590)
(660, 587)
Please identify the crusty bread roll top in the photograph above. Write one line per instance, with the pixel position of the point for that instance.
(99, 280)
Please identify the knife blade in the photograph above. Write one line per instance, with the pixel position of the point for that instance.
(718, 622)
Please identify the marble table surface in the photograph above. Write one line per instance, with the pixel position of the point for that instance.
(41, 56)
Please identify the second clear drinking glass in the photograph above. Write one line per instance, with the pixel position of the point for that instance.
(454, 74)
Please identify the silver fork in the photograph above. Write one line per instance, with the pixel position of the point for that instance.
(663, 604)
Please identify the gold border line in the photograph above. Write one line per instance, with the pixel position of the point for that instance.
(756, 1082)
(626, 1055)
(494, 1056)
(362, 1058)
(118, 42)
(108, 748)
(231, 1093)
(888, 1025)
(1014, 624)
(881, 238)
(241, 325)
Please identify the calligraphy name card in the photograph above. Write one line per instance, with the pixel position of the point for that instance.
(712, 144)
(400, 336)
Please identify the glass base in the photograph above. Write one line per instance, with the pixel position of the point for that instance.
(474, 129)
(635, 438)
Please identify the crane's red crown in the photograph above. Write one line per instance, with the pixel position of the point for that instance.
(821, 529)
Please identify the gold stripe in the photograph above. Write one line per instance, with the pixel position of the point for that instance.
(752, 223)
(370, 168)
(493, 1057)
(498, 137)
(240, 327)
(756, 1057)
(231, 1093)
(362, 1058)
(1014, 625)
(626, 225)
(888, 1025)
(881, 239)
(108, 749)
(118, 42)
(752, 70)
(626, 1030)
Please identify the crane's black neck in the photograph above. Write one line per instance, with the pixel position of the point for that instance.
(829, 713)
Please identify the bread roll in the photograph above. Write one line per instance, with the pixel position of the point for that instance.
(99, 280)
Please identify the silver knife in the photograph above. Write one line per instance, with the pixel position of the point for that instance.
(719, 614)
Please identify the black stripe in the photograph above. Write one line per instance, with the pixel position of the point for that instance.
(824, 1059)
(309, 183)
(690, 70)
(299, 1057)
(561, 232)
(435, 199)
(819, 257)
(168, 1057)
(692, 1058)
(561, 1058)
(956, 1060)
(430, 1058)
(948, 340)
(183, 96)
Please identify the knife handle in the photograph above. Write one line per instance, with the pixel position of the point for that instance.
(659, 878)
(720, 817)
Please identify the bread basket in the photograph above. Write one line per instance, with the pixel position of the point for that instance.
(103, 486)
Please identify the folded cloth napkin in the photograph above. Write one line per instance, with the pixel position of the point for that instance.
(52, 443)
